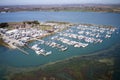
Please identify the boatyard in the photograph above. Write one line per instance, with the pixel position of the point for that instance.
(78, 36)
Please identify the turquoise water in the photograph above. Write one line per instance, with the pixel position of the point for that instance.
(16, 58)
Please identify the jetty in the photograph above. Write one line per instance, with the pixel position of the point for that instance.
(22, 50)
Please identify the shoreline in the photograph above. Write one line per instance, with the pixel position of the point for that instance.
(114, 8)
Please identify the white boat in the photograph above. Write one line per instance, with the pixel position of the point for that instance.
(50, 52)
(35, 47)
(38, 52)
(77, 45)
(63, 49)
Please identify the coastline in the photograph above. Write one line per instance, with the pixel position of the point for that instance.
(114, 8)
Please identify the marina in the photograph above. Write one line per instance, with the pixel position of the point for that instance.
(79, 36)
(74, 34)
(53, 45)
(59, 40)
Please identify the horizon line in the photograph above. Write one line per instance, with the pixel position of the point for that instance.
(62, 4)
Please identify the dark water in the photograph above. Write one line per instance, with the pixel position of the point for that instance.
(76, 17)
(16, 58)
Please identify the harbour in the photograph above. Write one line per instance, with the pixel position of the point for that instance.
(59, 40)
(77, 36)
(59, 48)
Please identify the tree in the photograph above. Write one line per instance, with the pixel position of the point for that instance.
(2, 25)
(35, 22)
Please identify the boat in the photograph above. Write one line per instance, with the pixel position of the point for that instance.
(48, 53)
(35, 47)
(63, 49)
(38, 52)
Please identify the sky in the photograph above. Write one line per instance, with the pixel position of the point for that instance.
(24, 2)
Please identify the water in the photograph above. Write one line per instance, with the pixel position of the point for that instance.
(76, 17)
(16, 58)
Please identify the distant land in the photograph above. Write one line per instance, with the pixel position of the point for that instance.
(63, 7)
